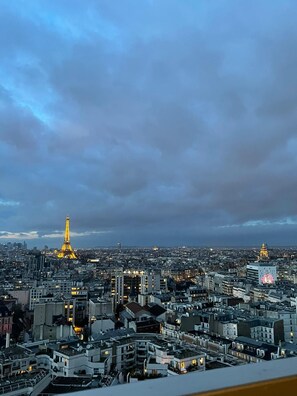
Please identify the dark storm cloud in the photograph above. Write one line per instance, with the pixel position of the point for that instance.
(148, 122)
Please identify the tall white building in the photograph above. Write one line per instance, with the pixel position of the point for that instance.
(150, 282)
(36, 294)
(124, 285)
(290, 325)
(117, 287)
(263, 274)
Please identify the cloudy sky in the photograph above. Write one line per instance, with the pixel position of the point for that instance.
(148, 122)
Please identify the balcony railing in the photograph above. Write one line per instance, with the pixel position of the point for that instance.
(272, 378)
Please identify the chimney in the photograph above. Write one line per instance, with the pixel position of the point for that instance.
(7, 343)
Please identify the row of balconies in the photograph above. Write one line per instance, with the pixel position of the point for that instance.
(141, 347)
(129, 358)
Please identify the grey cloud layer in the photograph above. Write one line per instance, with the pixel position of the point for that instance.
(159, 122)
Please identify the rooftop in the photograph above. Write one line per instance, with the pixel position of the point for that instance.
(13, 353)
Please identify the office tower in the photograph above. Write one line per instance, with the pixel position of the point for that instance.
(36, 264)
(150, 282)
(117, 287)
(261, 273)
(124, 285)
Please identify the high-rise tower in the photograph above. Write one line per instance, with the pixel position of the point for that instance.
(66, 249)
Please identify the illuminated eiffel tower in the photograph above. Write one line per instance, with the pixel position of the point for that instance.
(66, 249)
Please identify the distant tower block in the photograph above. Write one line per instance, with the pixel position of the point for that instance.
(264, 252)
(66, 249)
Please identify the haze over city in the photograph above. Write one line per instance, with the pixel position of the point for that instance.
(158, 123)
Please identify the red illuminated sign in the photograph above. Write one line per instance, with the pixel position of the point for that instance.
(267, 279)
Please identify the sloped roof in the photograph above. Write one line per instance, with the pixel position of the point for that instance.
(135, 307)
(155, 309)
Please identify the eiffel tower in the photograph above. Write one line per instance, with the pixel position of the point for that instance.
(66, 249)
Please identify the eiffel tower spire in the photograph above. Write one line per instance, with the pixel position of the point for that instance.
(66, 249)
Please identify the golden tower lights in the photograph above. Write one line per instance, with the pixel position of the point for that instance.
(264, 252)
(66, 249)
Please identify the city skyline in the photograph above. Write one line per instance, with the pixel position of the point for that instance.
(159, 123)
